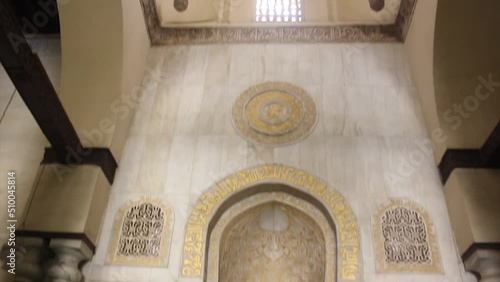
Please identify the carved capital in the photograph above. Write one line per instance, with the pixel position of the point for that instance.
(28, 261)
(65, 267)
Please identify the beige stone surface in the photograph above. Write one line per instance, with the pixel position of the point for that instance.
(103, 68)
(466, 73)
(68, 199)
(420, 51)
(21, 141)
(472, 197)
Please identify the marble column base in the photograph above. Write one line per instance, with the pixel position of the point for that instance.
(37, 262)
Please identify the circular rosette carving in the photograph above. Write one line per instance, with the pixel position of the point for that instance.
(274, 113)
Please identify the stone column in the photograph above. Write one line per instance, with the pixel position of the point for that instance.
(485, 263)
(29, 260)
(65, 267)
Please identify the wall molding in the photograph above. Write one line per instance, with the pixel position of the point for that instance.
(299, 34)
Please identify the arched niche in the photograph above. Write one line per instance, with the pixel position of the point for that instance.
(268, 179)
(318, 256)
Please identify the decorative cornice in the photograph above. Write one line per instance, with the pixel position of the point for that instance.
(404, 18)
(299, 34)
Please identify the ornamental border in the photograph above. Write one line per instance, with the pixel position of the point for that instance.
(334, 203)
(279, 34)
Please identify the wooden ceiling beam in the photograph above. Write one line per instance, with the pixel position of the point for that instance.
(33, 85)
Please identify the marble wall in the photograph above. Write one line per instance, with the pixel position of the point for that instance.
(369, 144)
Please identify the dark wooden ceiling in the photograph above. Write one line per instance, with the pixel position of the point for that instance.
(37, 16)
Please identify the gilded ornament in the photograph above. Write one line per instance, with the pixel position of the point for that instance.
(339, 210)
(274, 113)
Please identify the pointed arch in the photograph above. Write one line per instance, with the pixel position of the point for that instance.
(249, 182)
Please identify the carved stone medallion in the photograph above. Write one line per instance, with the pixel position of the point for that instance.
(274, 113)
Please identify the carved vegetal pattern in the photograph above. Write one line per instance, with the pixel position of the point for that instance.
(141, 231)
(272, 243)
(405, 239)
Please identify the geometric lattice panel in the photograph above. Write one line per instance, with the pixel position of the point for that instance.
(404, 239)
(142, 233)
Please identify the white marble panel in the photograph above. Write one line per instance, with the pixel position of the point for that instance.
(182, 209)
(174, 64)
(128, 169)
(178, 176)
(142, 113)
(366, 144)
(242, 65)
(215, 111)
(308, 64)
(380, 64)
(360, 119)
(233, 157)
(331, 64)
(354, 62)
(286, 63)
(165, 110)
(258, 154)
(333, 109)
(196, 65)
(265, 63)
(218, 65)
(288, 155)
(206, 164)
(316, 93)
(411, 114)
(120, 273)
(312, 155)
(386, 110)
(188, 115)
(403, 71)
(154, 164)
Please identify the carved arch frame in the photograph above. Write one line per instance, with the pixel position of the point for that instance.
(265, 198)
(245, 183)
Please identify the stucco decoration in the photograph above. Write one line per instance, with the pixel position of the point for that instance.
(274, 113)
(275, 209)
(272, 243)
(142, 233)
(289, 180)
(405, 240)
